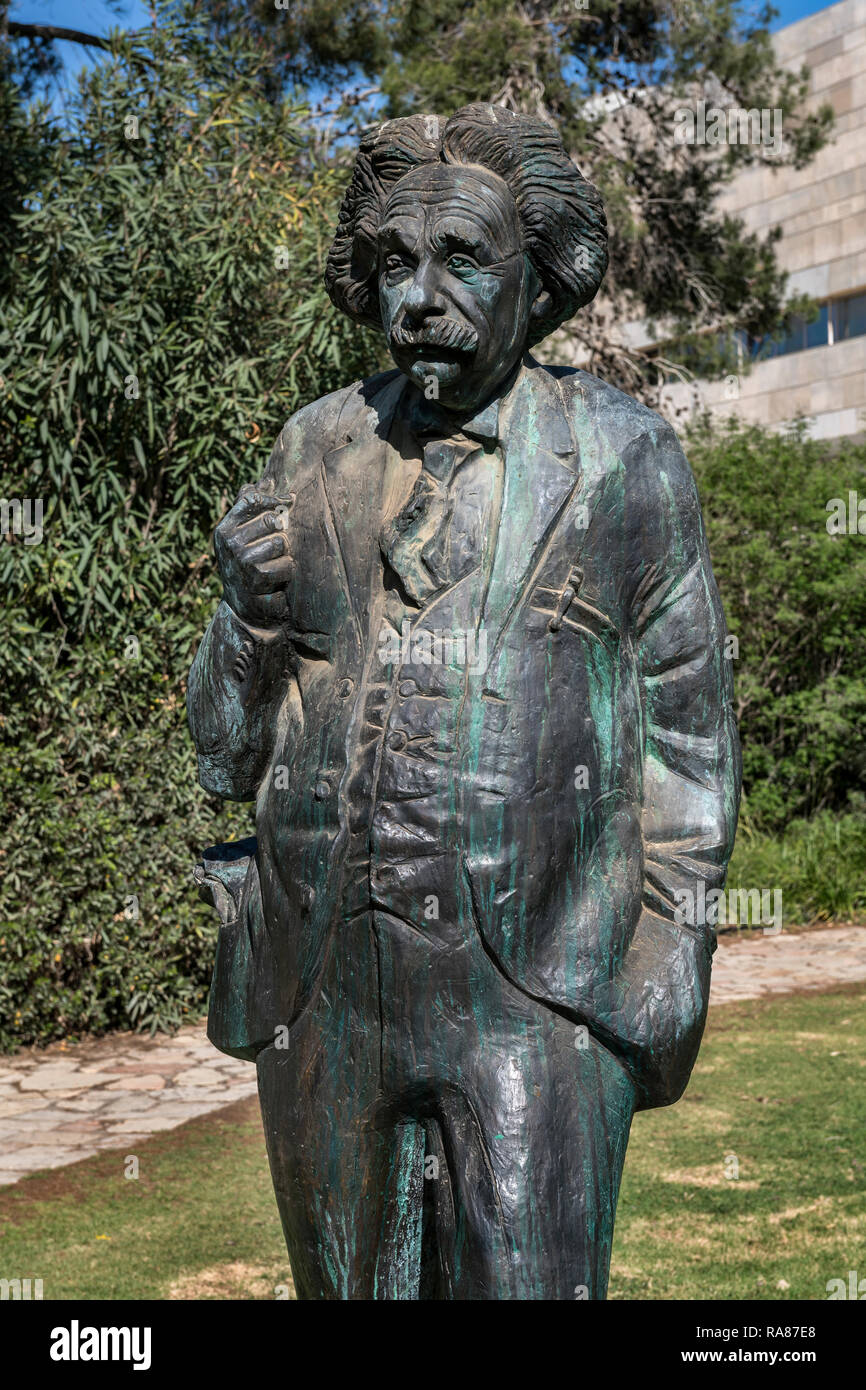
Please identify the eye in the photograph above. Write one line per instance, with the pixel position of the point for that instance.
(396, 265)
(462, 265)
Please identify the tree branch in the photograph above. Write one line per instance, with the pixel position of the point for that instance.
(51, 31)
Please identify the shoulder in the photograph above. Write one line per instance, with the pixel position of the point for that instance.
(328, 422)
(622, 420)
(642, 445)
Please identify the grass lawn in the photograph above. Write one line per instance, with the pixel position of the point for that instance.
(780, 1085)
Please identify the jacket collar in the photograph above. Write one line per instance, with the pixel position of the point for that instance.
(540, 474)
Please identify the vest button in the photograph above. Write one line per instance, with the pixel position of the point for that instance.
(407, 688)
(397, 741)
(322, 789)
(345, 687)
(308, 896)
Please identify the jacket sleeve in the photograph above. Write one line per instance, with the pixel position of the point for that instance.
(655, 1009)
(238, 681)
(241, 674)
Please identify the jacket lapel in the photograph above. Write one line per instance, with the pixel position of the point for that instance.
(358, 475)
(540, 475)
(363, 477)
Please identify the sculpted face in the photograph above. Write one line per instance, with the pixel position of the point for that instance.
(456, 288)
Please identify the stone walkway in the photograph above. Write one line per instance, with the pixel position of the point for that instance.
(68, 1102)
(755, 966)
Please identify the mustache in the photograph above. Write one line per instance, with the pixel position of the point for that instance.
(442, 333)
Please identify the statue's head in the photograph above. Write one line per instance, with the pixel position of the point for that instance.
(467, 242)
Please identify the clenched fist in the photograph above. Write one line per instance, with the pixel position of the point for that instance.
(252, 551)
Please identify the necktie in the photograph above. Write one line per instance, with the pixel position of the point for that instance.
(415, 542)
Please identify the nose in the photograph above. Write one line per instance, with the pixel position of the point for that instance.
(423, 299)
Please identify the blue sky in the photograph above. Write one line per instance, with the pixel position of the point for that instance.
(792, 10)
(98, 16)
(91, 16)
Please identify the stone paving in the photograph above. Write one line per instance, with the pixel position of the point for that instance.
(68, 1102)
(755, 966)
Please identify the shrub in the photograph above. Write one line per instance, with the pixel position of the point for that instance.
(155, 338)
(795, 600)
(819, 865)
(162, 314)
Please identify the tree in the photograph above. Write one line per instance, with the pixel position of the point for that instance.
(611, 74)
(162, 314)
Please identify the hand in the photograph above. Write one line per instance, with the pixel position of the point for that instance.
(252, 551)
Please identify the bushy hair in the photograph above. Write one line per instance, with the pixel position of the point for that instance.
(561, 212)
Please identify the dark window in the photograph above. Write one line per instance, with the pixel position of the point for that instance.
(800, 336)
(816, 331)
(848, 320)
(849, 317)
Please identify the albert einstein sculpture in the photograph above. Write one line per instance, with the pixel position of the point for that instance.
(470, 666)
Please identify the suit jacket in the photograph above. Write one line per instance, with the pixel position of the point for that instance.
(556, 795)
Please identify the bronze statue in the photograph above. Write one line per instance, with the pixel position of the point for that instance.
(470, 665)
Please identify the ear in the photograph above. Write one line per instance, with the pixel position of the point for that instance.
(541, 305)
(533, 288)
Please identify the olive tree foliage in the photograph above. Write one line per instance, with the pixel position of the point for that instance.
(162, 314)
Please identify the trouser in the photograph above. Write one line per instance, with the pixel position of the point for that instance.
(433, 1132)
